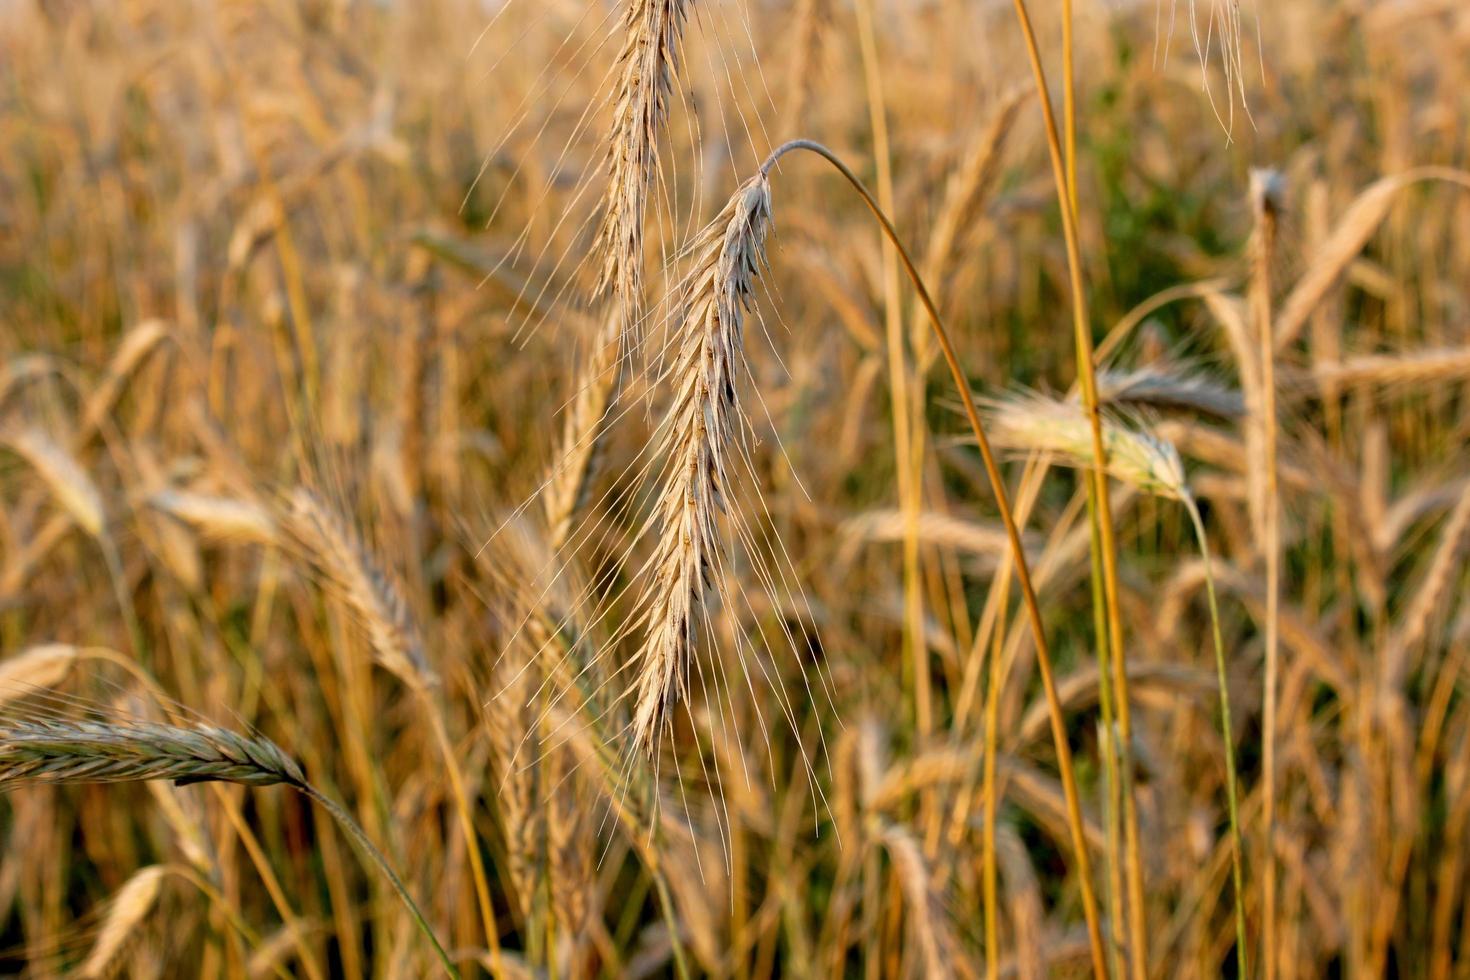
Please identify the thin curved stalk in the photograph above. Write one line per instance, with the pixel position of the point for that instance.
(907, 435)
(1013, 534)
(345, 821)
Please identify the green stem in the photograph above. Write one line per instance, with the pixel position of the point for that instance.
(1231, 792)
(349, 825)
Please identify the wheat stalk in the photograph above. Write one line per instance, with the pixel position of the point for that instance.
(697, 434)
(646, 67)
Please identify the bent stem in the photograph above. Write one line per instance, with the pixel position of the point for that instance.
(1236, 871)
(1013, 534)
(353, 831)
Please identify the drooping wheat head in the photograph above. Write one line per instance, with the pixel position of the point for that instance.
(697, 437)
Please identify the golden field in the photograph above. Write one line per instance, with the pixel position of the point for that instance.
(476, 498)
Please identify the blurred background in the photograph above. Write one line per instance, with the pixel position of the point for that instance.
(337, 257)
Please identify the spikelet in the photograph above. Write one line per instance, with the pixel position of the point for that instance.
(1032, 422)
(697, 436)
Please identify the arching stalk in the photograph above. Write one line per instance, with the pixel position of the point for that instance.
(1013, 534)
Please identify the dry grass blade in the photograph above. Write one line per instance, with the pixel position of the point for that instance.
(1336, 253)
(697, 437)
(364, 587)
(646, 68)
(927, 915)
(133, 903)
(37, 668)
(57, 751)
(68, 482)
(1031, 422)
(223, 518)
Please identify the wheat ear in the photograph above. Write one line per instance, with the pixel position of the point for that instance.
(646, 67)
(132, 904)
(50, 750)
(366, 588)
(568, 484)
(696, 436)
(1031, 422)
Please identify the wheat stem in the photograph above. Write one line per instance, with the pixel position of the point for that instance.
(1098, 493)
(1023, 574)
(1231, 791)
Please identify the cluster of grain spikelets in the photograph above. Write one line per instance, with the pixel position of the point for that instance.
(132, 904)
(550, 830)
(698, 441)
(363, 585)
(1030, 422)
(640, 103)
(56, 750)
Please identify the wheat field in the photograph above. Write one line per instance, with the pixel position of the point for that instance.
(735, 488)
